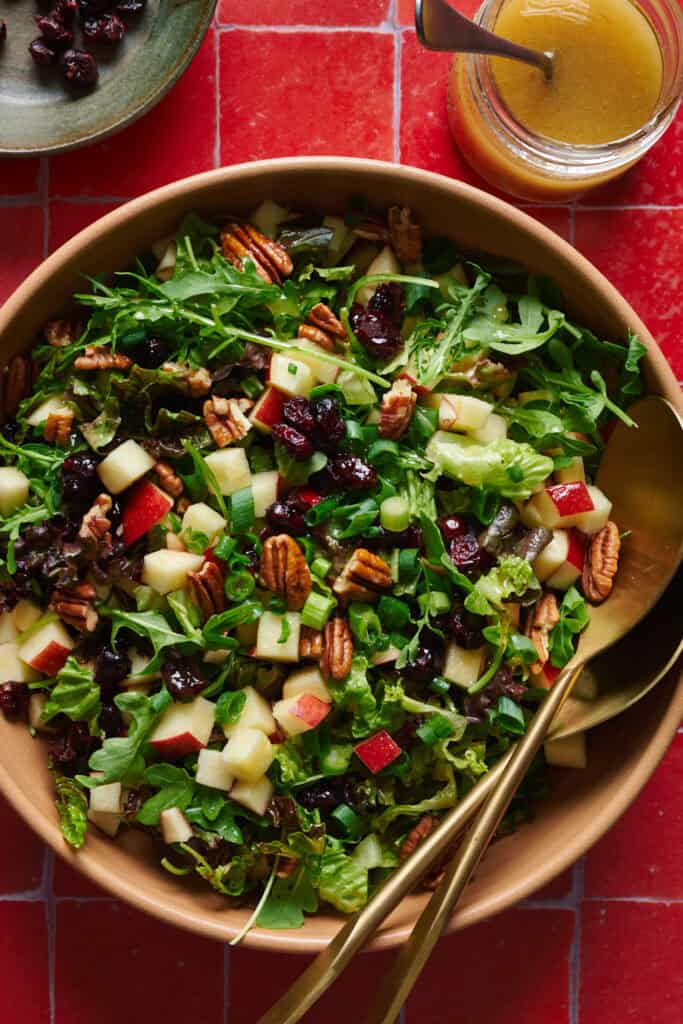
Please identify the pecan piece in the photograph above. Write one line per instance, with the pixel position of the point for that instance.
(17, 383)
(60, 333)
(541, 620)
(416, 835)
(335, 662)
(95, 523)
(602, 560)
(322, 327)
(396, 410)
(169, 480)
(199, 382)
(310, 642)
(98, 357)
(58, 428)
(75, 606)
(207, 589)
(241, 242)
(363, 576)
(225, 419)
(405, 234)
(284, 570)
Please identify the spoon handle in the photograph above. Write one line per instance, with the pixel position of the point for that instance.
(441, 27)
(415, 953)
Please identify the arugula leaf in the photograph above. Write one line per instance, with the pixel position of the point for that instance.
(574, 618)
(155, 628)
(516, 339)
(72, 807)
(187, 614)
(202, 479)
(75, 694)
(120, 757)
(230, 706)
(177, 789)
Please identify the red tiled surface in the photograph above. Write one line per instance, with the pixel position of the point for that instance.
(598, 945)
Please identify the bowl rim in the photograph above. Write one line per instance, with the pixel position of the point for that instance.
(299, 942)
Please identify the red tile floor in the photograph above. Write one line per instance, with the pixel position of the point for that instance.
(601, 944)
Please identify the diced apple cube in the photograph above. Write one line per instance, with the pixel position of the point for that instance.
(46, 647)
(495, 429)
(300, 714)
(175, 828)
(53, 406)
(14, 488)
(290, 375)
(592, 521)
(552, 556)
(323, 371)
(568, 572)
(231, 469)
(255, 796)
(248, 754)
(264, 488)
(212, 770)
(8, 628)
(463, 412)
(26, 614)
(124, 466)
(307, 680)
(277, 638)
(184, 728)
(384, 263)
(570, 474)
(106, 799)
(463, 667)
(567, 752)
(268, 216)
(12, 668)
(107, 823)
(201, 518)
(378, 751)
(138, 663)
(166, 570)
(145, 506)
(562, 505)
(268, 410)
(256, 714)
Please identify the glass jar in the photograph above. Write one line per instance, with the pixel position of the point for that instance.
(534, 167)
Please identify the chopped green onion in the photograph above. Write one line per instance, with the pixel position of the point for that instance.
(224, 548)
(242, 510)
(317, 610)
(394, 514)
(321, 567)
(440, 686)
(370, 434)
(434, 601)
(510, 717)
(323, 510)
(348, 821)
(393, 614)
(408, 564)
(239, 585)
(435, 728)
(285, 630)
(381, 448)
(292, 368)
(308, 548)
(354, 435)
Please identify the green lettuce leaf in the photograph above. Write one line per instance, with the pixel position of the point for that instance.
(446, 797)
(513, 469)
(343, 882)
(75, 694)
(155, 628)
(512, 577)
(72, 807)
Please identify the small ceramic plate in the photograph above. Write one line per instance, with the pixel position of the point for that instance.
(39, 115)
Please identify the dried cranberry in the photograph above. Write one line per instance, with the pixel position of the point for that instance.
(296, 444)
(14, 700)
(54, 30)
(130, 8)
(387, 302)
(428, 660)
(151, 353)
(503, 684)
(80, 482)
(467, 554)
(283, 517)
(380, 338)
(80, 68)
(66, 9)
(41, 52)
(452, 527)
(182, 676)
(326, 793)
(350, 471)
(297, 413)
(111, 667)
(111, 719)
(329, 425)
(108, 28)
(461, 626)
(3, 30)
(74, 745)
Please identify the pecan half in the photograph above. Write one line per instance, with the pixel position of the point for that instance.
(225, 419)
(284, 570)
(95, 523)
(241, 242)
(363, 576)
(602, 560)
(97, 357)
(76, 607)
(541, 620)
(337, 655)
(396, 410)
(169, 480)
(310, 642)
(322, 327)
(17, 383)
(405, 234)
(207, 589)
(58, 428)
(416, 835)
(60, 333)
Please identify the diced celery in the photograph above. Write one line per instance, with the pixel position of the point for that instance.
(394, 513)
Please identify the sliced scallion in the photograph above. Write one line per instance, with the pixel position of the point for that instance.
(436, 728)
(242, 510)
(394, 514)
(348, 822)
(434, 601)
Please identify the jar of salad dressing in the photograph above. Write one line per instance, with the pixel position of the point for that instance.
(616, 85)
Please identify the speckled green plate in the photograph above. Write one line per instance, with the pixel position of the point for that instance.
(38, 115)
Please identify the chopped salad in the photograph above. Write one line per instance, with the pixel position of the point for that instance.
(297, 528)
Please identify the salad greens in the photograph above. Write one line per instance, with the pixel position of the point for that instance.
(275, 520)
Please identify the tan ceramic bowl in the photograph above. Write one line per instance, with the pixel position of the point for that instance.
(622, 754)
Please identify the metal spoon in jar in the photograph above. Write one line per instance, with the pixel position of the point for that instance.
(440, 27)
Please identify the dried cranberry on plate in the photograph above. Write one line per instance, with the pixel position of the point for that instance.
(107, 28)
(130, 8)
(54, 30)
(80, 68)
(3, 30)
(41, 52)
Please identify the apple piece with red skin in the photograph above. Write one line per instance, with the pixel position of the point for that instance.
(184, 728)
(561, 504)
(419, 389)
(301, 713)
(572, 566)
(547, 676)
(377, 751)
(46, 648)
(145, 506)
(268, 410)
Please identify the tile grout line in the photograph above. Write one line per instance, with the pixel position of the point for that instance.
(574, 994)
